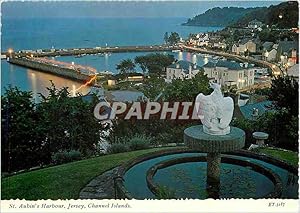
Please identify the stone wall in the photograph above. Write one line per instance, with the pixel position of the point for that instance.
(55, 70)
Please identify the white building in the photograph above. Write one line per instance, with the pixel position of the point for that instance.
(230, 73)
(271, 55)
(243, 46)
(200, 40)
(181, 70)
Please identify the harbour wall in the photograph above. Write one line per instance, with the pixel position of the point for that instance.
(55, 70)
(96, 50)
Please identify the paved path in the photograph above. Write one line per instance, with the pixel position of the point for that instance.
(101, 187)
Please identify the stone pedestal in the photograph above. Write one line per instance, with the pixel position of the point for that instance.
(260, 138)
(213, 168)
(196, 139)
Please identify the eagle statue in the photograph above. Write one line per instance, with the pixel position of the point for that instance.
(215, 111)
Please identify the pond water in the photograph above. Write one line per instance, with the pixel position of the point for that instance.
(188, 180)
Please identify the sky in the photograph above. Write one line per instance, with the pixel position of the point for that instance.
(19, 9)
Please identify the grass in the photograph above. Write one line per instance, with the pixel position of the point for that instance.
(63, 181)
(285, 155)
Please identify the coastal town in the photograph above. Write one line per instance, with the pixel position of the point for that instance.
(206, 112)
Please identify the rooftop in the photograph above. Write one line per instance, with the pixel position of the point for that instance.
(288, 46)
(262, 107)
(232, 65)
(185, 65)
(268, 45)
(294, 71)
(255, 21)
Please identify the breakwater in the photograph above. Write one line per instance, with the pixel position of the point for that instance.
(95, 50)
(48, 68)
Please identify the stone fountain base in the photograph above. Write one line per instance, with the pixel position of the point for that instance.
(196, 139)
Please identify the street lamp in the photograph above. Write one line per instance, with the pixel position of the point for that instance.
(10, 52)
(280, 16)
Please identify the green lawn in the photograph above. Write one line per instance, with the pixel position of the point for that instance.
(63, 181)
(285, 155)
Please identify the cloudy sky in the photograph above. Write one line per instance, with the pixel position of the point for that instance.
(119, 9)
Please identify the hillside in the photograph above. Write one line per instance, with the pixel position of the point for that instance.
(220, 17)
(288, 11)
(283, 15)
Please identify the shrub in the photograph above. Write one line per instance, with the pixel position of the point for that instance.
(117, 148)
(138, 142)
(74, 155)
(65, 156)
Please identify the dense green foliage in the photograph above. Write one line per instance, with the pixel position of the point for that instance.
(281, 123)
(66, 156)
(284, 93)
(284, 15)
(154, 63)
(117, 148)
(19, 147)
(187, 90)
(138, 142)
(63, 181)
(32, 133)
(273, 35)
(212, 17)
(162, 131)
(128, 142)
(126, 66)
(174, 38)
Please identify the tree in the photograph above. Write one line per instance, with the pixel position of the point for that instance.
(284, 94)
(162, 131)
(166, 38)
(32, 133)
(68, 123)
(154, 63)
(126, 66)
(174, 38)
(187, 89)
(152, 87)
(19, 147)
(282, 122)
(142, 62)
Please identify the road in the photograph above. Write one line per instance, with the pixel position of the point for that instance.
(275, 69)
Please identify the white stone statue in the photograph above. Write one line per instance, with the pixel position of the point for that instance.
(215, 111)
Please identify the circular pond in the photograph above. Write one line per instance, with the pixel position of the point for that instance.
(188, 179)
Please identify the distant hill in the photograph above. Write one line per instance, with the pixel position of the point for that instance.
(288, 11)
(220, 17)
(240, 17)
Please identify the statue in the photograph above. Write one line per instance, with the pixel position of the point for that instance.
(215, 111)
